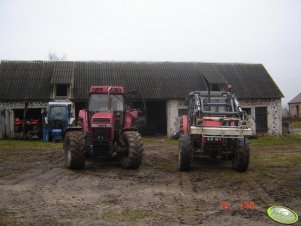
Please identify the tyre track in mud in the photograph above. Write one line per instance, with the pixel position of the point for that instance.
(27, 169)
(187, 209)
(263, 199)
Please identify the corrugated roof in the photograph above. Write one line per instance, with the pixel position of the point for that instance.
(60, 76)
(155, 80)
(296, 99)
(24, 80)
(63, 72)
(211, 73)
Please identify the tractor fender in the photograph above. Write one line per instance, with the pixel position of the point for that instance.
(83, 120)
(130, 116)
(185, 124)
(121, 134)
(71, 128)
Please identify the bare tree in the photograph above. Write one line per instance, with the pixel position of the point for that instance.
(52, 56)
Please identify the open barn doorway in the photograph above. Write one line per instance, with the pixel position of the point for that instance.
(156, 118)
(28, 125)
(261, 118)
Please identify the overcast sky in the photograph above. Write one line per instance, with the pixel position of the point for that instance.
(238, 31)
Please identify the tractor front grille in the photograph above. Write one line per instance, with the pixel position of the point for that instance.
(101, 134)
(56, 124)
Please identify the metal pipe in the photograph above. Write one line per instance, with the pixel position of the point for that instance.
(109, 99)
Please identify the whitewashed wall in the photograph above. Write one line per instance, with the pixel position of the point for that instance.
(293, 110)
(274, 114)
(173, 121)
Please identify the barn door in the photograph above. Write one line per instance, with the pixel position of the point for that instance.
(261, 119)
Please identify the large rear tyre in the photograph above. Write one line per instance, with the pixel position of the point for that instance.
(134, 155)
(185, 153)
(75, 151)
(241, 158)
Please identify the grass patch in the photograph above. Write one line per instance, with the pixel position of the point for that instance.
(129, 215)
(148, 141)
(13, 175)
(29, 144)
(288, 140)
(277, 171)
(172, 141)
(168, 165)
(296, 125)
(279, 159)
(8, 221)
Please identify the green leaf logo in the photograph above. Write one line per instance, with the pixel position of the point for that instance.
(282, 215)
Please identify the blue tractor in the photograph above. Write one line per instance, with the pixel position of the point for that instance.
(57, 117)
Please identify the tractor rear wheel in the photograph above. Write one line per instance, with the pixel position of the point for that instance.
(134, 155)
(185, 153)
(75, 151)
(240, 161)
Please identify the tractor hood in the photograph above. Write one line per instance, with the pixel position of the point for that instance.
(102, 125)
(102, 120)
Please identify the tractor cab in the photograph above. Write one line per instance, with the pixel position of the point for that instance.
(107, 113)
(106, 103)
(58, 116)
(216, 104)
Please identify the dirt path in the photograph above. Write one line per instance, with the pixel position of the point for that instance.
(36, 189)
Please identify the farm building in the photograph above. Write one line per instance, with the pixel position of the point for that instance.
(164, 86)
(295, 106)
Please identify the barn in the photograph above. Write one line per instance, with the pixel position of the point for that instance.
(295, 106)
(164, 86)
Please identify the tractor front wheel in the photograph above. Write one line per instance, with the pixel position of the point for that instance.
(185, 153)
(240, 161)
(132, 158)
(75, 151)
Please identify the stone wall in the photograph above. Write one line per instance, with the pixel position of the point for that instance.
(21, 104)
(274, 114)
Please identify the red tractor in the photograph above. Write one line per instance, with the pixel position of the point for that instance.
(215, 128)
(106, 128)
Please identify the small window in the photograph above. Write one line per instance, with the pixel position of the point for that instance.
(61, 90)
(247, 110)
(182, 112)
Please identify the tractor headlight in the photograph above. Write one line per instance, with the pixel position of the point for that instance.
(214, 139)
(96, 125)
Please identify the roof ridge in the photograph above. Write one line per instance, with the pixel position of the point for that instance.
(113, 61)
(296, 99)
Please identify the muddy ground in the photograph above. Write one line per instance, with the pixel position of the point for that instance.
(36, 188)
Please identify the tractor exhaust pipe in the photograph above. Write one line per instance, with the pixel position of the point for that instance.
(109, 99)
